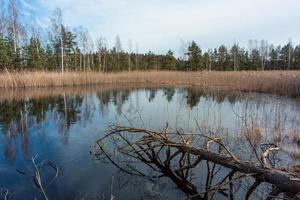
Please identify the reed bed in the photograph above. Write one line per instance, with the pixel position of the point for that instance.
(276, 82)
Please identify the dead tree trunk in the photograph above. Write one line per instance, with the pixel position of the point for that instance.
(282, 180)
(148, 145)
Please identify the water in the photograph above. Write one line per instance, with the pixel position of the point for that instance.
(61, 129)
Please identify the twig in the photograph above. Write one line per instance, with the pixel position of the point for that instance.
(255, 152)
(266, 154)
(220, 143)
(38, 178)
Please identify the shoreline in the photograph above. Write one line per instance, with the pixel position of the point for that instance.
(285, 83)
(20, 94)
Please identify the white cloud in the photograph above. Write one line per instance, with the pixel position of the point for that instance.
(159, 24)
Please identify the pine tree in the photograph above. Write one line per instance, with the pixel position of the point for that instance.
(286, 55)
(194, 57)
(169, 61)
(6, 54)
(222, 57)
(255, 59)
(35, 55)
(274, 55)
(235, 56)
(296, 57)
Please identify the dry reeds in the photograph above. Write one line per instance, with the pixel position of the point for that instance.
(254, 134)
(277, 82)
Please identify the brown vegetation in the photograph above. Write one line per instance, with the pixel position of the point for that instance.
(277, 82)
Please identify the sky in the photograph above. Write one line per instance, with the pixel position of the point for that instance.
(160, 25)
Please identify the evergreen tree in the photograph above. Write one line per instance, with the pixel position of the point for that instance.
(286, 55)
(235, 50)
(254, 59)
(6, 54)
(274, 56)
(169, 61)
(194, 57)
(244, 59)
(49, 58)
(296, 64)
(66, 41)
(222, 57)
(35, 55)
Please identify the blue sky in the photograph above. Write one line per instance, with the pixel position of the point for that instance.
(159, 25)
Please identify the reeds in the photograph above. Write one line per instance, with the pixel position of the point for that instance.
(277, 82)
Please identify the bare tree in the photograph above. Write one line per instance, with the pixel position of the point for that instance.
(235, 53)
(78, 31)
(14, 22)
(104, 50)
(118, 48)
(210, 54)
(129, 54)
(100, 45)
(136, 55)
(290, 46)
(2, 19)
(86, 46)
(264, 51)
(35, 31)
(183, 49)
(252, 45)
(90, 52)
(57, 25)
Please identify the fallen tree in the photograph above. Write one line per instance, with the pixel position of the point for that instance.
(174, 154)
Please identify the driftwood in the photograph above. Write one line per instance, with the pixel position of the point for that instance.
(158, 150)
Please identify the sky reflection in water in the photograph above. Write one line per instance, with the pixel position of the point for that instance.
(62, 128)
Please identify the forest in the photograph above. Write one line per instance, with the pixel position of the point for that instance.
(25, 46)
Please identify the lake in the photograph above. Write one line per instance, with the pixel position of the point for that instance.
(60, 128)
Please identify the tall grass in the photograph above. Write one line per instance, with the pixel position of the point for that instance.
(277, 82)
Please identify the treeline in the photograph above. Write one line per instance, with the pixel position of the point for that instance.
(25, 46)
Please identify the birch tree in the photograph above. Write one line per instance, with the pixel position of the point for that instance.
(210, 55)
(235, 54)
(35, 34)
(254, 54)
(118, 48)
(264, 51)
(2, 19)
(286, 54)
(136, 55)
(90, 50)
(14, 22)
(78, 32)
(183, 50)
(100, 45)
(104, 53)
(57, 26)
(83, 41)
(129, 54)
(290, 48)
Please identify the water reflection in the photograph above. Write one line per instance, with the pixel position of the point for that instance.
(62, 124)
(17, 116)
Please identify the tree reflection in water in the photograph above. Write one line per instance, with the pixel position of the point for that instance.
(27, 124)
(18, 116)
